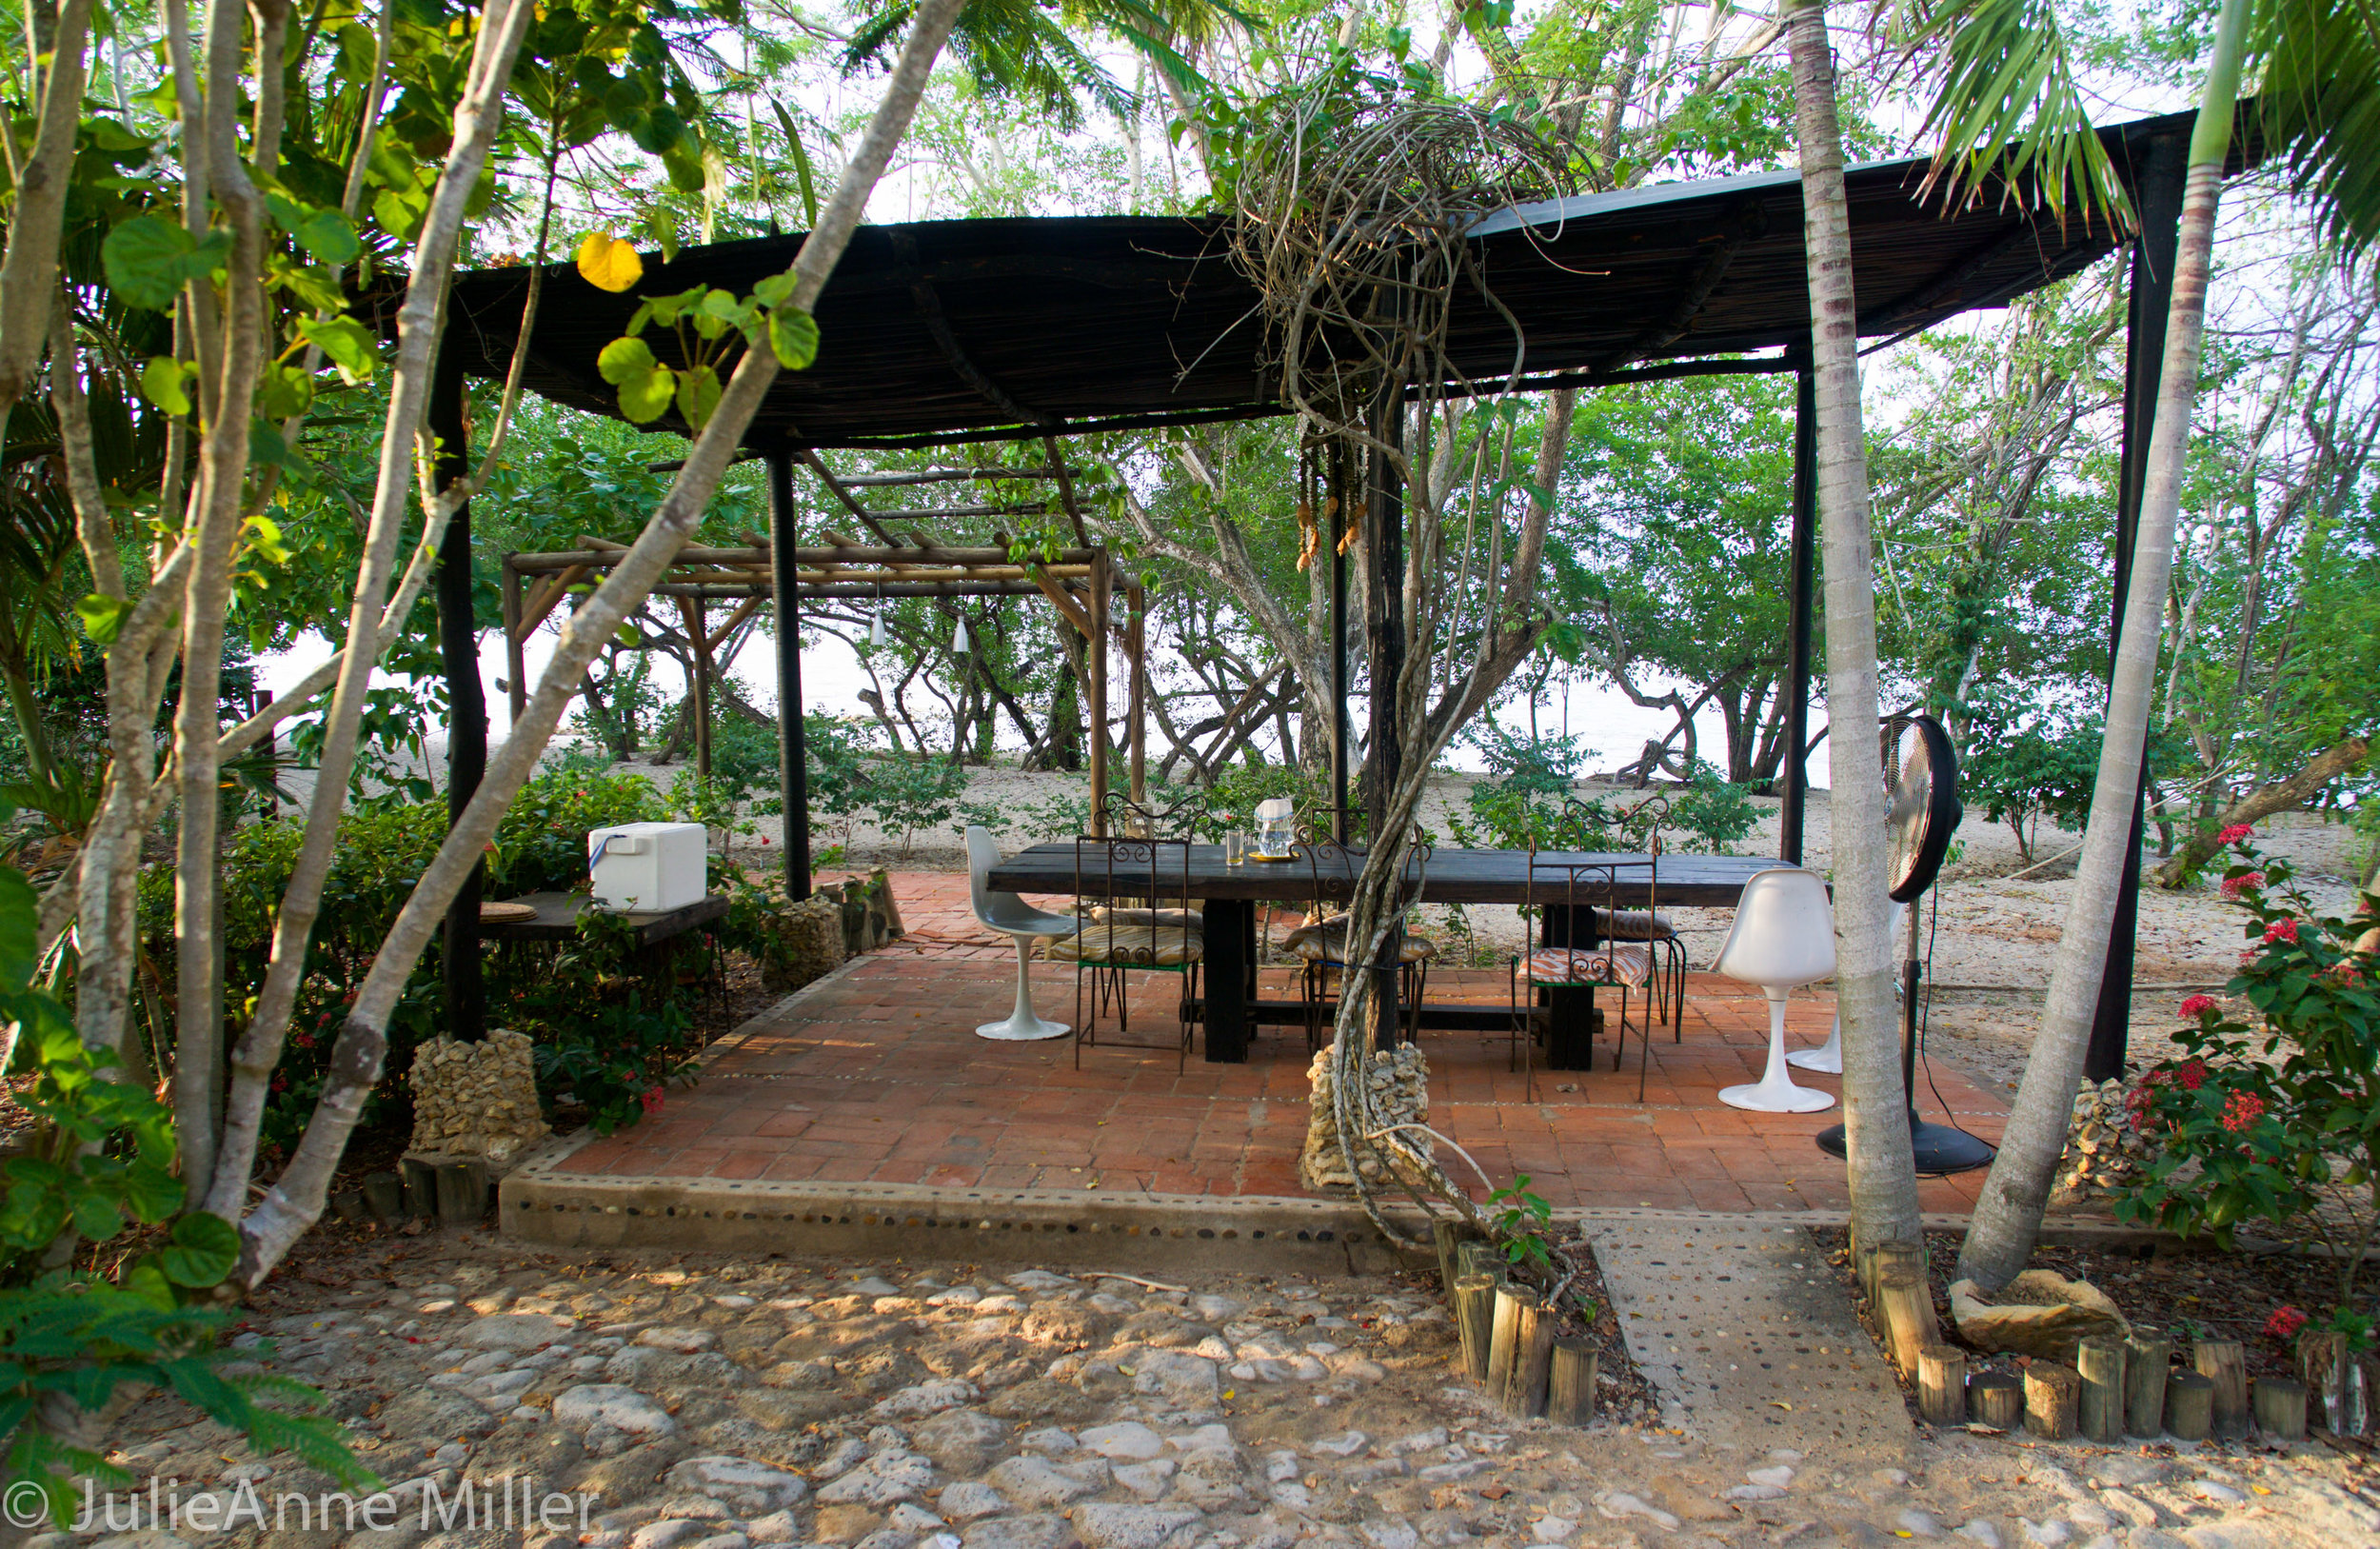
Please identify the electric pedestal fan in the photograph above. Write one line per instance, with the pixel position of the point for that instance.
(1923, 773)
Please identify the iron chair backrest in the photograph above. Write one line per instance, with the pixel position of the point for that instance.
(1332, 869)
(1150, 874)
(1128, 819)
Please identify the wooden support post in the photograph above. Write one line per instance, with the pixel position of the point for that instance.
(1136, 663)
(1514, 1307)
(2281, 1408)
(2334, 1382)
(1570, 1382)
(2224, 1363)
(1448, 1237)
(1096, 648)
(1478, 1257)
(2145, 1361)
(1996, 1399)
(2100, 1362)
(2188, 1406)
(1942, 1385)
(1533, 1361)
(2052, 1394)
(1910, 1256)
(694, 610)
(1904, 1307)
(1474, 1317)
(793, 767)
(466, 701)
(384, 1196)
(516, 657)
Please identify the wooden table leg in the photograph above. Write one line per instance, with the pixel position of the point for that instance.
(1570, 1027)
(1229, 925)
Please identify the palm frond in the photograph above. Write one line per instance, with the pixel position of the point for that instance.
(2010, 108)
(2318, 109)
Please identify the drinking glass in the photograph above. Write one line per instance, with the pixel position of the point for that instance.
(1235, 849)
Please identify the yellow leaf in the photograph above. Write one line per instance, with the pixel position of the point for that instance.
(609, 263)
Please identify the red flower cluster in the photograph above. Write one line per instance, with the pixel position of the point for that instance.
(2197, 1005)
(2283, 1323)
(2233, 834)
(2282, 930)
(651, 1098)
(2347, 973)
(2241, 1111)
(2246, 882)
(2193, 1075)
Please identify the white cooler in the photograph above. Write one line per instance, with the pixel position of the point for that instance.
(647, 867)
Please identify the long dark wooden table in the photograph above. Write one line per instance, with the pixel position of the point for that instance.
(1230, 893)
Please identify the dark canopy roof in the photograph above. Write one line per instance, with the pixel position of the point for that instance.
(989, 329)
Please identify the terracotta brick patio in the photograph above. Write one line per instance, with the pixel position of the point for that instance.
(876, 1077)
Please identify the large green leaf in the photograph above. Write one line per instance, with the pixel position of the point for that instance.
(793, 336)
(20, 911)
(204, 1250)
(646, 385)
(147, 260)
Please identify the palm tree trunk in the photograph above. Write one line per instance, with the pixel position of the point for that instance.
(1883, 1170)
(2007, 1217)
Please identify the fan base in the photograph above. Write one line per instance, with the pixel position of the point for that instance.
(1941, 1149)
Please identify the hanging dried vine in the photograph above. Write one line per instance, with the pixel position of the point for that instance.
(1354, 213)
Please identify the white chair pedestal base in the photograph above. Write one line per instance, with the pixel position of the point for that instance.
(1827, 1058)
(1022, 1026)
(1774, 1092)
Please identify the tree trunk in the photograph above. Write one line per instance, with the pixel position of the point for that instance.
(2280, 796)
(1883, 1166)
(2007, 1217)
(295, 1202)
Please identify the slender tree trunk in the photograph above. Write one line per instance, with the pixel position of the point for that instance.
(2007, 1217)
(295, 1202)
(1883, 1170)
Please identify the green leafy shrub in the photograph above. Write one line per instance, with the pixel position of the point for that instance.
(2272, 1117)
(101, 1167)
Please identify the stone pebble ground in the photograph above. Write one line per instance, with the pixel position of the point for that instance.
(721, 1404)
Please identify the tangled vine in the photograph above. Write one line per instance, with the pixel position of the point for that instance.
(1356, 207)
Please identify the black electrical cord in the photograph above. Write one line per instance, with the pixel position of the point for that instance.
(1925, 1018)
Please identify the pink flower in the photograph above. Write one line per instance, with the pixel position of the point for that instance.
(2192, 1075)
(651, 1098)
(2283, 1323)
(2233, 834)
(2197, 1005)
(2282, 930)
(2246, 882)
(2240, 1112)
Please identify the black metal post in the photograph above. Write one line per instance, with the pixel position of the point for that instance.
(466, 702)
(1799, 629)
(2157, 194)
(793, 770)
(1384, 622)
(1342, 494)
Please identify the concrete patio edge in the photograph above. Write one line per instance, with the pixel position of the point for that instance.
(544, 1201)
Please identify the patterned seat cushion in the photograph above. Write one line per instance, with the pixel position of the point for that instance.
(1633, 924)
(1112, 915)
(1161, 946)
(1609, 964)
(1326, 942)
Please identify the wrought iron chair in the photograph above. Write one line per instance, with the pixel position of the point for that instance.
(1579, 890)
(1667, 986)
(1322, 948)
(1142, 923)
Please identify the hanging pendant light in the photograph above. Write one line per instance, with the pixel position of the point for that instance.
(959, 638)
(876, 628)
